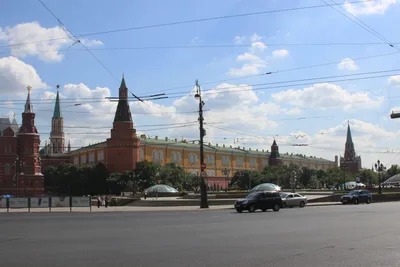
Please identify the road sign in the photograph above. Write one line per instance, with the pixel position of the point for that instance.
(203, 166)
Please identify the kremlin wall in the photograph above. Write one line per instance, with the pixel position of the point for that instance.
(21, 166)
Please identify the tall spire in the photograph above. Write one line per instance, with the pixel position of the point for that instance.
(57, 109)
(349, 139)
(69, 145)
(123, 112)
(28, 105)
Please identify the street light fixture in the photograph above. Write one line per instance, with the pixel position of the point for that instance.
(203, 187)
(379, 168)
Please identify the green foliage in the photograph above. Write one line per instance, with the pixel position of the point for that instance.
(68, 179)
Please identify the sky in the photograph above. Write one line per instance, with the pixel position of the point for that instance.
(297, 71)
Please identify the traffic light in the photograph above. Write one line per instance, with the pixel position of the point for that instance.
(395, 115)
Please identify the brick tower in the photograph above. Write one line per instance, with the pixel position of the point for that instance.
(29, 177)
(57, 128)
(274, 156)
(122, 150)
(350, 162)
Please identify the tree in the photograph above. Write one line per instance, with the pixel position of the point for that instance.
(393, 170)
(146, 174)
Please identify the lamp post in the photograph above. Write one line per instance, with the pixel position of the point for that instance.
(18, 164)
(203, 188)
(226, 172)
(379, 168)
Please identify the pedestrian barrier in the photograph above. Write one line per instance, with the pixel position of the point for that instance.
(45, 202)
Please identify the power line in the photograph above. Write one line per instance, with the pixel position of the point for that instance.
(278, 71)
(224, 89)
(184, 22)
(360, 23)
(84, 46)
(206, 46)
(307, 145)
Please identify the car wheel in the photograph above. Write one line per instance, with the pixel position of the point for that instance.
(355, 201)
(263, 210)
(276, 207)
(284, 205)
(302, 204)
(252, 208)
(239, 210)
(368, 201)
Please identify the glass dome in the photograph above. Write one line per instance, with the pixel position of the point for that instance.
(393, 180)
(161, 188)
(267, 187)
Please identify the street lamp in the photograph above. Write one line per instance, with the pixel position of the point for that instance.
(379, 168)
(203, 188)
(226, 172)
(18, 165)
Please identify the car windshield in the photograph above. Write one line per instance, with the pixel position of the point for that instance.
(252, 196)
(283, 195)
(355, 192)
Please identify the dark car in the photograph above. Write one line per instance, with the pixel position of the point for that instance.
(357, 196)
(259, 200)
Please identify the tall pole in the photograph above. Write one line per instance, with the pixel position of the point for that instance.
(203, 187)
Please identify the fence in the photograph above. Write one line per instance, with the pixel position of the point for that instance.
(45, 202)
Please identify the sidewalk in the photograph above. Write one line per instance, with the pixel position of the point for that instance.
(133, 208)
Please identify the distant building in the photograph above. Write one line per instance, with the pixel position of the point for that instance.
(350, 162)
(20, 164)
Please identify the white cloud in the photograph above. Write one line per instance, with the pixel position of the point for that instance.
(196, 41)
(245, 70)
(369, 7)
(325, 95)
(258, 46)
(240, 39)
(253, 62)
(395, 80)
(347, 64)
(255, 38)
(15, 76)
(33, 34)
(248, 57)
(280, 53)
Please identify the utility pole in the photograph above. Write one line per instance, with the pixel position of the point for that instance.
(203, 187)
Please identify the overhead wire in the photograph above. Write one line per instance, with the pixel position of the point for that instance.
(359, 22)
(246, 87)
(185, 21)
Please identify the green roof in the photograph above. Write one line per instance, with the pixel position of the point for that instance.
(57, 109)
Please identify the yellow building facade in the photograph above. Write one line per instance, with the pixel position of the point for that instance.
(221, 160)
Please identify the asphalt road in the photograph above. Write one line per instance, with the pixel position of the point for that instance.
(353, 235)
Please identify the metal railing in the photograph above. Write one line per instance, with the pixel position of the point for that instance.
(45, 202)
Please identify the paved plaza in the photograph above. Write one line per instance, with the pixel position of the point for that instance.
(351, 235)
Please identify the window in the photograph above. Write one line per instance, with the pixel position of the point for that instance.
(91, 157)
(76, 160)
(141, 154)
(210, 159)
(100, 155)
(83, 159)
(192, 158)
(253, 163)
(155, 157)
(210, 172)
(239, 162)
(179, 156)
(160, 156)
(174, 157)
(225, 161)
(264, 163)
(7, 169)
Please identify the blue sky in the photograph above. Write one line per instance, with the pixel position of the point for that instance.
(262, 113)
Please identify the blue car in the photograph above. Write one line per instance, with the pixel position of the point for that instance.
(357, 196)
